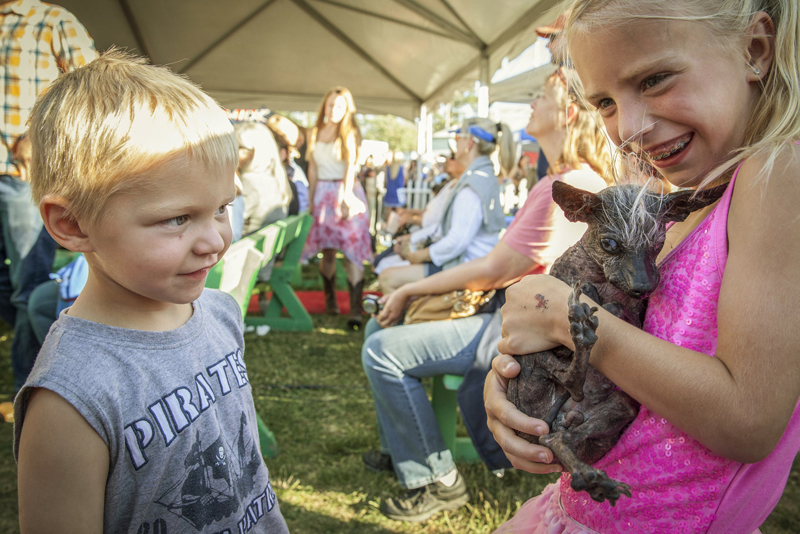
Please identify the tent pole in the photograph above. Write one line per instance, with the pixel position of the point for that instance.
(414, 199)
(483, 90)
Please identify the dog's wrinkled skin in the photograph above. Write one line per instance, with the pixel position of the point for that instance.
(614, 264)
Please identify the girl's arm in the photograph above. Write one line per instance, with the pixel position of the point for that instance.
(312, 184)
(419, 256)
(501, 267)
(62, 471)
(739, 402)
(350, 203)
(410, 216)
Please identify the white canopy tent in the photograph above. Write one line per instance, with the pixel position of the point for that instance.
(396, 56)
(522, 88)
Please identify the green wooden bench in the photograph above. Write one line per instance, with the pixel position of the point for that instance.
(290, 239)
(445, 407)
(237, 274)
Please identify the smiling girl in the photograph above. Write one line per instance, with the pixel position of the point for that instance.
(708, 93)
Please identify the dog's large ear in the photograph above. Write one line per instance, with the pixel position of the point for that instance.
(577, 204)
(680, 204)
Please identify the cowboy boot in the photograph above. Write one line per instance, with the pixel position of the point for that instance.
(329, 284)
(356, 319)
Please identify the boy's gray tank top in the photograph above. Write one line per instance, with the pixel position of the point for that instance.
(176, 411)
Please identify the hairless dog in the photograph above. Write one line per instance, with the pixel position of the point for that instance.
(614, 264)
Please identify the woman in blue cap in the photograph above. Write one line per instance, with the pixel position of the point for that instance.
(473, 216)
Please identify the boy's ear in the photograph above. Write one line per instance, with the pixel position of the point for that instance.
(577, 204)
(760, 46)
(62, 225)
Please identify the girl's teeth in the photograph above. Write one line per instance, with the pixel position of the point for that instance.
(667, 154)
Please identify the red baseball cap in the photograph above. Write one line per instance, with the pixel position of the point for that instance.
(554, 27)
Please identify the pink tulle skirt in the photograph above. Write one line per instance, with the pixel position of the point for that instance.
(543, 515)
(331, 231)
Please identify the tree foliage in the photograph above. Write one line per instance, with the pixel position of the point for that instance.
(463, 105)
(399, 133)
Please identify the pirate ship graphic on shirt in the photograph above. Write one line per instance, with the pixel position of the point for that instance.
(217, 476)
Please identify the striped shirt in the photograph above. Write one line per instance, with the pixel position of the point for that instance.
(37, 42)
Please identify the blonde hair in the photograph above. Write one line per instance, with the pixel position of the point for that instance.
(775, 119)
(586, 140)
(99, 129)
(348, 134)
(503, 143)
(286, 131)
(266, 159)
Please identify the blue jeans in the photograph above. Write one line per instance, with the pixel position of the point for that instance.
(29, 250)
(43, 308)
(395, 361)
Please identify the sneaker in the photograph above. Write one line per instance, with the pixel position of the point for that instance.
(422, 503)
(377, 462)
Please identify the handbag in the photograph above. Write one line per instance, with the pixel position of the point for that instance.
(453, 305)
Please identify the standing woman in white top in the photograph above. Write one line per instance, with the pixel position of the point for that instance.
(337, 200)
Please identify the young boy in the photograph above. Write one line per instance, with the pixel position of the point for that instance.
(138, 415)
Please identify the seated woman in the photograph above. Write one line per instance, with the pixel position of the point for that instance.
(289, 136)
(473, 216)
(396, 359)
(265, 187)
(428, 220)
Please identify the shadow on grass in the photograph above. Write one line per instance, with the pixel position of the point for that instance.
(311, 391)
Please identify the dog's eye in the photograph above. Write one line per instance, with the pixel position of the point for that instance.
(609, 245)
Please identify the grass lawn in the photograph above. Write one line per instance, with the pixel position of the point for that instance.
(312, 393)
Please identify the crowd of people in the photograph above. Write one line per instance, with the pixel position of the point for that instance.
(158, 181)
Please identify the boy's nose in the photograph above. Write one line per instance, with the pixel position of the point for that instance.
(212, 240)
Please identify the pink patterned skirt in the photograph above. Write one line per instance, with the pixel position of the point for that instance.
(331, 231)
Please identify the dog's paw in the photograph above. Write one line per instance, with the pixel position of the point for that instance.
(582, 321)
(599, 486)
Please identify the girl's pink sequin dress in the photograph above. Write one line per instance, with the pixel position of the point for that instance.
(678, 485)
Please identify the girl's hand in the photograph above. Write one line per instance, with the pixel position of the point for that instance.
(394, 304)
(503, 417)
(352, 206)
(535, 315)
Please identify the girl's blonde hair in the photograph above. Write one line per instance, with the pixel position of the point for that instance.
(586, 140)
(775, 119)
(503, 143)
(100, 129)
(348, 136)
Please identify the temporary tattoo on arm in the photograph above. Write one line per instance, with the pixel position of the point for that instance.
(541, 302)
